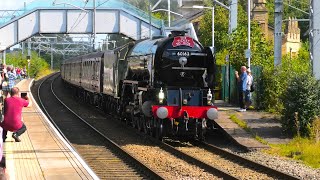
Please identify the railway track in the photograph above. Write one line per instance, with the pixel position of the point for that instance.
(245, 162)
(227, 164)
(105, 157)
(201, 156)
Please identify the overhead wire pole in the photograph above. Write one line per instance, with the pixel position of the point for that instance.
(169, 13)
(233, 15)
(213, 48)
(278, 10)
(150, 9)
(315, 37)
(94, 24)
(248, 53)
(51, 47)
(4, 56)
(233, 22)
(29, 56)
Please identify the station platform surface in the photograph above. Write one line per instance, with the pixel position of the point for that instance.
(42, 152)
(265, 125)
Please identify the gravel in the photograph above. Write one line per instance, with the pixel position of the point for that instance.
(289, 166)
(174, 168)
(235, 169)
(157, 159)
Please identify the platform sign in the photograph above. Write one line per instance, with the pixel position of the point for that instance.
(247, 53)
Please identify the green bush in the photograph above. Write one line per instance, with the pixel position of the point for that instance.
(301, 103)
(37, 64)
(275, 80)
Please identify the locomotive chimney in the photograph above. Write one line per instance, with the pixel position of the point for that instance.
(178, 33)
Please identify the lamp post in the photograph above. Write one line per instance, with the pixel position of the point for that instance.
(248, 53)
(169, 15)
(28, 60)
(202, 7)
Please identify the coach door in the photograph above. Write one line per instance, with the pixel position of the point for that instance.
(96, 74)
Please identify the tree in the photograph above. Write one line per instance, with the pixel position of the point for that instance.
(301, 104)
(38, 66)
(220, 25)
(144, 6)
(275, 80)
(292, 13)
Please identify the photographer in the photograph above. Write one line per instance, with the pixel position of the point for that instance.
(13, 115)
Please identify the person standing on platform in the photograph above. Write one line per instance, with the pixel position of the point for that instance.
(242, 86)
(24, 70)
(249, 90)
(18, 73)
(10, 78)
(13, 115)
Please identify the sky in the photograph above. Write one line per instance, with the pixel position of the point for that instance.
(12, 4)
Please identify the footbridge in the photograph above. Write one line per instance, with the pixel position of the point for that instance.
(113, 16)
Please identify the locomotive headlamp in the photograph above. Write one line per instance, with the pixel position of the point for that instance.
(209, 97)
(161, 96)
(185, 101)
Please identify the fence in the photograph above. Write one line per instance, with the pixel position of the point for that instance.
(229, 85)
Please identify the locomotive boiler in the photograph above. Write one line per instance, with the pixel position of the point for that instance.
(162, 86)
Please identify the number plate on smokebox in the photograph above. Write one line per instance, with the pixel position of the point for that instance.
(183, 53)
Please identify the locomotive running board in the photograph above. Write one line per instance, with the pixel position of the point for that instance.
(189, 68)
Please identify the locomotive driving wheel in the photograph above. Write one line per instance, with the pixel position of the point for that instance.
(139, 123)
(159, 129)
(146, 124)
(134, 120)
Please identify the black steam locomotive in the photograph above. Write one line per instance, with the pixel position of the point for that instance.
(160, 86)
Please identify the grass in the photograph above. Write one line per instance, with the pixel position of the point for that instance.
(44, 73)
(245, 126)
(303, 149)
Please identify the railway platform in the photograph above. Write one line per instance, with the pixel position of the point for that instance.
(262, 124)
(42, 153)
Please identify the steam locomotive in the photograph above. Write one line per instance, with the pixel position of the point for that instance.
(161, 86)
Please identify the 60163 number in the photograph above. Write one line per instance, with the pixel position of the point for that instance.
(183, 53)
